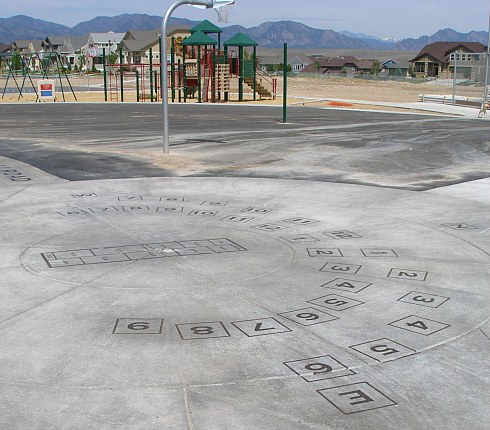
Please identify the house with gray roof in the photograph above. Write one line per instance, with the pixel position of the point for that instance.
(56, 44)
(21, 46)
(136, 44)
(298, 62)
(396, 68)
(68, 47)
(96, 44)
(28, 48)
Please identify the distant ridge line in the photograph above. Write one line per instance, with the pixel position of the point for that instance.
(267, 35)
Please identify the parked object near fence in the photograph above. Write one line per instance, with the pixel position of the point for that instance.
(475, 102)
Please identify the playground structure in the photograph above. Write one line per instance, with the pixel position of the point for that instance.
(211, 71)
(199, 69)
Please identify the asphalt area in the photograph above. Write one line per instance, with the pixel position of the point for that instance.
(327, 273)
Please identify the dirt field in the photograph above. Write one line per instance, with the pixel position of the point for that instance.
(300, 90)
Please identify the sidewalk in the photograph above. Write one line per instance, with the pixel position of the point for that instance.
(466, 112)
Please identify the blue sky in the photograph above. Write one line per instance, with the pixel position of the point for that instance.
(381, 18)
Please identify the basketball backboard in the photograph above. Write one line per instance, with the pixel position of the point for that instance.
(214, 4)
(222, 8)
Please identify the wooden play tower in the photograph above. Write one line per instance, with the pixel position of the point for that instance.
(207, 71)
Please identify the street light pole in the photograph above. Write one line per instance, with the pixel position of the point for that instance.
(163, 60)
(454, 76)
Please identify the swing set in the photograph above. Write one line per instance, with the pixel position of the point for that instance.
(19, 68)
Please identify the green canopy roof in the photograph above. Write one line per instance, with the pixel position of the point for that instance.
(198, 39)
(206, 27)
(240, 39)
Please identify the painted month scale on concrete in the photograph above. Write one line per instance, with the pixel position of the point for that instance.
(236, 302)
(249, 304)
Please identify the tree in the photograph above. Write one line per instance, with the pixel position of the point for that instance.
(375, 68)
(82, 60)
(317, 66)
(16, 61)
(113, 57)
(411, 71)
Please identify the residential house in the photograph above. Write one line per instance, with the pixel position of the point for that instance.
(29, 49)
(55, 44)
(469, 66)
(76, 43)
(297, 62)
(398, 69)
(95, 46)
(434, 60)
(34, 51)
(57, 47)
(346, 65)
(21, 46)
(136, 45)
(395, 68)
(4, 48)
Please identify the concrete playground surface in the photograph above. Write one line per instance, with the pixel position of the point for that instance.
(329, 273)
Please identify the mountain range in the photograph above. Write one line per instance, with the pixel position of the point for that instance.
(268, 34)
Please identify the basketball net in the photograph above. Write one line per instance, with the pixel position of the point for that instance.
(223, 12)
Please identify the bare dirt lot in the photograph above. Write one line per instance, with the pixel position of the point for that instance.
(300, 90)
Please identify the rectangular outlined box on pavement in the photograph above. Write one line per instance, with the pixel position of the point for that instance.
(336, 302)
(355, 398)
(261, 327)
(319, 368)
(419, 325)
(202, 330)
(408, 274)
(138, 326)
(349, 285)
(341, 268)
(383, 349)
(423, 299)
(342, 234)
(299, 238)
(324, 252)
(308, 316)
(124, 253)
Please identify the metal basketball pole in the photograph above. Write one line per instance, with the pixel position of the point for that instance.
(285, 84)
(163, 60)
(483, 110)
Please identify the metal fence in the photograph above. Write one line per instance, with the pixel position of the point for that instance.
(366, 76)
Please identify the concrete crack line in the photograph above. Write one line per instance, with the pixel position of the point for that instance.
(188, 412)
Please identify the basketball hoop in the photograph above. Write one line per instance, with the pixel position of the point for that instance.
(223, 12)
(222, 8)
(91, 52)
